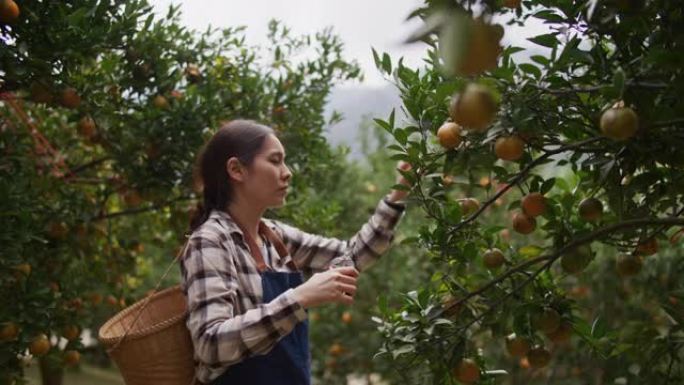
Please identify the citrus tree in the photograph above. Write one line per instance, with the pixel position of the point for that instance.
(104, 106)
(551, 178)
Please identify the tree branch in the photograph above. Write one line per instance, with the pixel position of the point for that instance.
(550, 258)
(520, 176)
(573, 90)
(92, 163)
(139, 210)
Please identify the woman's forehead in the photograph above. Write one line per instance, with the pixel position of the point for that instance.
(272, 145)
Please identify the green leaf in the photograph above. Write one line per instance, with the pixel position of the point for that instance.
(619, 82)
(547, 40)
(547, 185)
(530, 251)
(386, 63)
(530, 69)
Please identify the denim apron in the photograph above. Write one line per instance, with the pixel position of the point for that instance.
(288, 363)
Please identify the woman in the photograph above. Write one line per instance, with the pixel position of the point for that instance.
(242, 275)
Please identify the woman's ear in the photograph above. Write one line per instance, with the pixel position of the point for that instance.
(235, 169)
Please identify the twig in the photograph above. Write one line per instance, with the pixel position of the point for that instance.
(138, 210)
(573, 90)
(519, 177)
(92, 163)
(667, 123)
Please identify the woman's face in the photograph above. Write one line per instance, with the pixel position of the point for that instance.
(268, 177)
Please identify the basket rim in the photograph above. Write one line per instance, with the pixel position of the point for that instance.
(143, 332)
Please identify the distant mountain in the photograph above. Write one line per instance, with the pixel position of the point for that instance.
(355, 104)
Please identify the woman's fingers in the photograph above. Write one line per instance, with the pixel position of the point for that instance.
(346, 279)
(346, 270)
(347, 289)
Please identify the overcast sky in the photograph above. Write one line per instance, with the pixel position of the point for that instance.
(360, 24)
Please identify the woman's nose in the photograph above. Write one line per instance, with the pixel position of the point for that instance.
(287, 174)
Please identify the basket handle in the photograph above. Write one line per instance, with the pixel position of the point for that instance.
(147, 300)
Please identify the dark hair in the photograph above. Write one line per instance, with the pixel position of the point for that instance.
(242, 139)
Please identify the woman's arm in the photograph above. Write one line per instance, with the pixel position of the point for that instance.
(220, 336)
(316, 253)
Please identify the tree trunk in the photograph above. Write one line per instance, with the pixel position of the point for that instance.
(51, 372)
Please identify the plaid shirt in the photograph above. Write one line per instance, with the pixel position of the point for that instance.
(228, 320)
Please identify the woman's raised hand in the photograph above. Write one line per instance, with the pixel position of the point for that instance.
(397, 195)
(337, 285)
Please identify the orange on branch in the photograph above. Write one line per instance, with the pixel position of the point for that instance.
(590, 209)
(562, 334)
(39, 345)
(517, 346)
(509, 148)
(493, 258)
(647, 248)
(71, 332)
(481, 50)
(513, 4)
(576, 259)
(474, 108)
(538, 357)
(8, 331)
(533, 204)
(71, 358)
(619, 123)
(86, 127)
(546, 321)
(467, 371)
(523, 223)
(628, 265)
(160, 102)
(449, 135)
(346, 317)
(469, 206)
(9, 11)
(70, 98)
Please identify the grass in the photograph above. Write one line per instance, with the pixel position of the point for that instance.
(83, 375)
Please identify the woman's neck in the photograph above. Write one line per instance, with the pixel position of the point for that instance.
(246, 217)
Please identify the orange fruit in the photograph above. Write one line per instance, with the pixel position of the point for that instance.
(467, 371)
(547, 321)
(493, 259)
(39, 345)
(524, 363)
(628, 265)
(482, 48)
(533, 204)
(449, 135)
(576, 260)
(9, 331)
(9, 11)
(24, 268)
(346, 317)
(469, 206)
(509, 147)
(590, 209)
(562, 334)
(335, 349)
(57, 230)
(96, 298)
(473, 108)
(112, 301)
(619, 123)
(71, 357)
(70, 98)
(86, 127)
(648, 247)
(523, 224)
(40, 93)
(160, 102)
(512, 3)
(192, 73)
(538, 357)
(517, 346)
(132, 197)
(71, 332)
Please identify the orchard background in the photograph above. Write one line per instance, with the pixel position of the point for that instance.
(543, 235)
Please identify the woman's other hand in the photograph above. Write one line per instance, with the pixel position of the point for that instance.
(337, 285)
(397, 195)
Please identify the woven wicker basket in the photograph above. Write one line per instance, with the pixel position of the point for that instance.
(157, 350)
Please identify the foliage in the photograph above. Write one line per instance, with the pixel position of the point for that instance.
(599, 58)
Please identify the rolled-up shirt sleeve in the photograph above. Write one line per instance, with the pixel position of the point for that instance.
(317, 253)
(221, 337)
